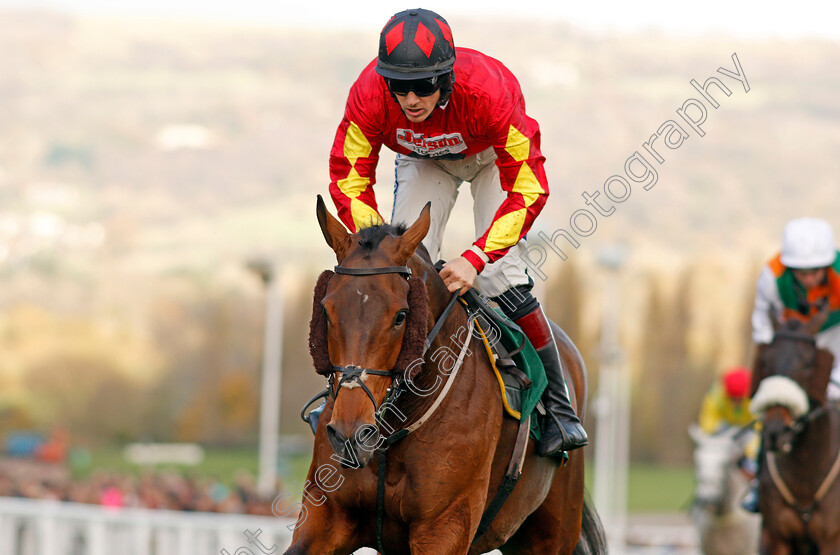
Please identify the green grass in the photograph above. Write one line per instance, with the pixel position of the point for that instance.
(221, 464)
(654, 489)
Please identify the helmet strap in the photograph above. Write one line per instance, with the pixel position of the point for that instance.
(446, 89)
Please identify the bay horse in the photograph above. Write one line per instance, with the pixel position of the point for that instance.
(723, 526)
(438, 481)
(799, 493)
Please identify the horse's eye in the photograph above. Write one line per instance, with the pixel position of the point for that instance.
(400, 318)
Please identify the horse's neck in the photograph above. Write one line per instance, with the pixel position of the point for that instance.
(439, 297)
(813, 453)
(446, 345)
(735, 486)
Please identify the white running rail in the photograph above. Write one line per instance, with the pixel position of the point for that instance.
(39, 527)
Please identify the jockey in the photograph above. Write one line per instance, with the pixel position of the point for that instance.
(795, 284)
(726, 404)
(454, 115)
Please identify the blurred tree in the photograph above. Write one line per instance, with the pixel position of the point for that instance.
(658, 411)
(14, 416)
(222, 412)
(748, 348)
(300, 382)
(565, 304)
(212, 341)
(87, 394)
(564, 300)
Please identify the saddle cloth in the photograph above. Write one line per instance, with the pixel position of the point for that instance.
(517, 365)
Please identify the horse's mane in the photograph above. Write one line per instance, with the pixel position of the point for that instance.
(793, 325)
(370, 237)
(814, 380)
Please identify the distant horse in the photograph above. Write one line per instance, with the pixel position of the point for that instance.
(438, 481)
(799, 493)
(723, 526)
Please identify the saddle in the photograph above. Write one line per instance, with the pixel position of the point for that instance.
(517, 365)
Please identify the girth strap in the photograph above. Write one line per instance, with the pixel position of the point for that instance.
(514, 471)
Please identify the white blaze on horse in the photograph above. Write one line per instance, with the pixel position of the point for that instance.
(723, 526)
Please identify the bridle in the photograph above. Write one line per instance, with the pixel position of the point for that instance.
(353, 374)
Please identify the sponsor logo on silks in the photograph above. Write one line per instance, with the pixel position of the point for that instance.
(440, 145)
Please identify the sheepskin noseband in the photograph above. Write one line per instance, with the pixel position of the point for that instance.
(416, 329)
(416, 326)
(318, 326)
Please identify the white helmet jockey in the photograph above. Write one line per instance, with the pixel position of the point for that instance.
(808, 243)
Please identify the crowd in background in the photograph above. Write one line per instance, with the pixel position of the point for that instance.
(160, 490)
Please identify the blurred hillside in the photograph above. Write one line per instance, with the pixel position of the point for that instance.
(142, 163)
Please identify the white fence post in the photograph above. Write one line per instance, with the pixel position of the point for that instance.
(142, 537)
(8, 535)
(47, 532)
(96, 538)
(38, 527)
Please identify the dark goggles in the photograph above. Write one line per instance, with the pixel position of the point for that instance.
(420, 87)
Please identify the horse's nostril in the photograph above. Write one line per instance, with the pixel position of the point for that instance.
(335, 436)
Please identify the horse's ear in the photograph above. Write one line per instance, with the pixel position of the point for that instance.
(334, 231)
(815, 324)
(410, 240)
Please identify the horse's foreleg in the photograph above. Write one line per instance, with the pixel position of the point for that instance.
(772, 544)
(831, 547)
(445, 534)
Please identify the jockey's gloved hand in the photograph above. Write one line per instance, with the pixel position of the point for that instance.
(458, 275)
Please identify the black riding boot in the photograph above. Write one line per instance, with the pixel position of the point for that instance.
(562, 430)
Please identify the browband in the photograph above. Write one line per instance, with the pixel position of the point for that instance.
(404, 270)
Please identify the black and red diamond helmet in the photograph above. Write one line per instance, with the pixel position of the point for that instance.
(415, 44)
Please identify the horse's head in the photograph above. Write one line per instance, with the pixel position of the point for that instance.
(715, 457)
(372, 314)
(790, 377)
